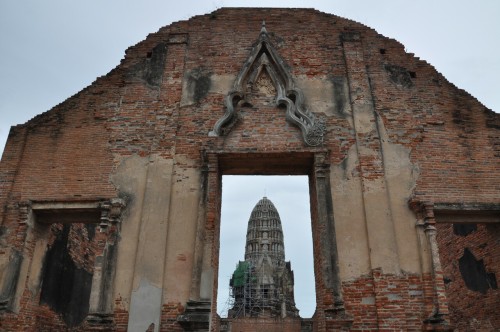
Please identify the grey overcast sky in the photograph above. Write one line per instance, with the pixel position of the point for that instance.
(51, 49)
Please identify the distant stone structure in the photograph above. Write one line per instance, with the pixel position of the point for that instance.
(110, 202)
(262, 284)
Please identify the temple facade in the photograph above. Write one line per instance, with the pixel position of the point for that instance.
(262, 284)
(110, 202)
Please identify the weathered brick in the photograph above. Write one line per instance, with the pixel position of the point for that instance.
(386, 114)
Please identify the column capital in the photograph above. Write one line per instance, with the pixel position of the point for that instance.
(321, 163)
(424, 212)
(111, 212)
(428, 210)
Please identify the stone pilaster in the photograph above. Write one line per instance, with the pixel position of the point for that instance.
(327, 237)
(9, 283)
(439, 316)
(101, 294)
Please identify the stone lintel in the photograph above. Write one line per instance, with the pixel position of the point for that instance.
(462, 212)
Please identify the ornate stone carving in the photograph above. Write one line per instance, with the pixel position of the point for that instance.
(264, 65)
(265, 85)
(111, 212)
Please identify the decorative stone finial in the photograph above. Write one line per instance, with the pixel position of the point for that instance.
(263, 29)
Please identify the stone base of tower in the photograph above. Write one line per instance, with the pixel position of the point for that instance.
(287, 324)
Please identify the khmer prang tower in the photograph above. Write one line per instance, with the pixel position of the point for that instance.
(262, 284)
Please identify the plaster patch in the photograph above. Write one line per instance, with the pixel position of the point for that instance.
(221, 83)
(375, 186)
(368, 300)
(316, 89)
(321, 107)
(207, 278)
(145, 307)
(363, 118)
(349, 223)
(401, 178)
(130, 180)
(416, 293)
(127, 179)
(394, 297)
(349, 167)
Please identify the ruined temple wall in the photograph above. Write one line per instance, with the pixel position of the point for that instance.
(139, 132)
(446, 130)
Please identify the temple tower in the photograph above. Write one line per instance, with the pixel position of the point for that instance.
(262, 284)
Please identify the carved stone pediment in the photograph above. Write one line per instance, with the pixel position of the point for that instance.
(265, 73)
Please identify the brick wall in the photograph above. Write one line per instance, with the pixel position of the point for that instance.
(389, 302)
(72, 151)
(169, 316)
(471, 281)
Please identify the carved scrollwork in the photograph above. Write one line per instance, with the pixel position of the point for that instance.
(312, 127)
(265, 60)
(232, 99)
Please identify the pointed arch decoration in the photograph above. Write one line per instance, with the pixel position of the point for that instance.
(264, 58)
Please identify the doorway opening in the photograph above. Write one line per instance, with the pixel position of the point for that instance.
(290, 196)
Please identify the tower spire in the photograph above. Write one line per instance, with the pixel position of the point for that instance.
(262, 284)
(265, 235)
